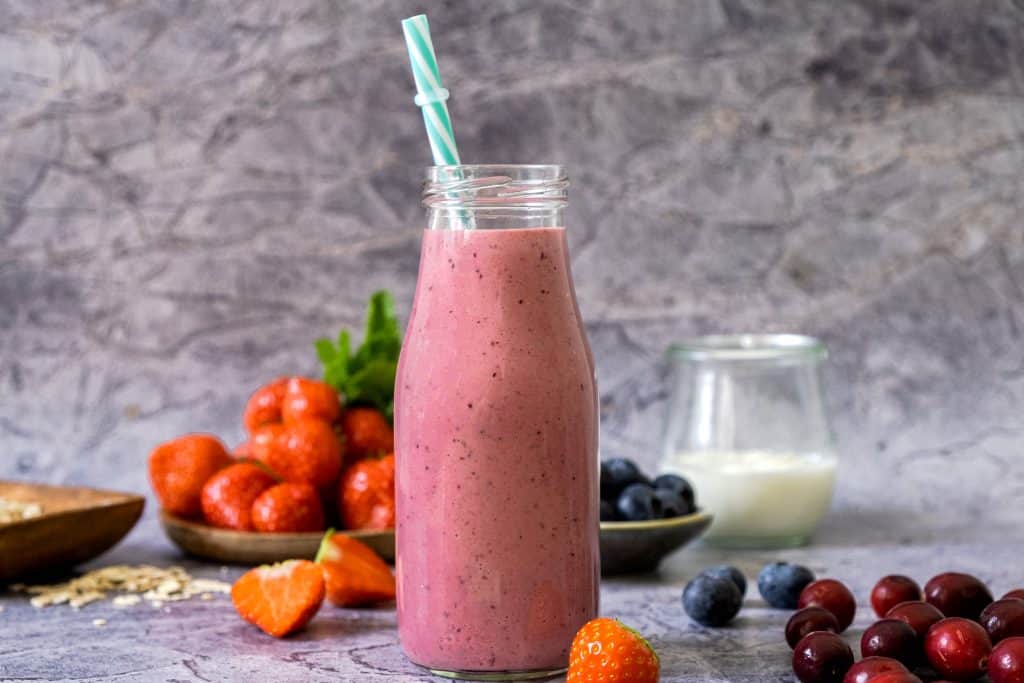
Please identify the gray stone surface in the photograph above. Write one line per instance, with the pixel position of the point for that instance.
(205, 641)
(190, 192)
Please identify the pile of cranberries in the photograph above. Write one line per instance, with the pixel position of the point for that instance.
(952, 630)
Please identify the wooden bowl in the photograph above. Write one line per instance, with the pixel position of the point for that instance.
(639, 547)
(250, 547)
(76, 525)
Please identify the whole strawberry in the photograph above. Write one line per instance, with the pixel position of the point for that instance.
(366, 496)
(264, 406)
(288, 508)
(607, 651)
(229, 494)
(309, 399)
(179, 468)
(367, 432)
(304, 451)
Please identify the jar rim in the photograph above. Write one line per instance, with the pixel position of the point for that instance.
(452, 171)
(748, 347)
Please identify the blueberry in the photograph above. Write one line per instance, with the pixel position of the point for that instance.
(712, 600)
(617, 474)
(727, 571)
(635, 503)
(673, 482)
(669, 504)
(607, 511)
(780, 583)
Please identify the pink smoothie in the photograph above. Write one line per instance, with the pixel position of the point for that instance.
(496, 451)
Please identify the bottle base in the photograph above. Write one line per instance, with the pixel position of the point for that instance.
(531, 675)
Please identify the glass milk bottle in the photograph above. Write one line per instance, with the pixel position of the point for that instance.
(496, 426)
(747, 426)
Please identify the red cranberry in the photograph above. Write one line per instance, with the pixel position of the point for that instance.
(958, 648)
(821, 657)
(892, 590)
(891, 638)
(1006, 665)
(1015, 593)
(920, 615)
(833, 596)
(809, 619)
(896, 677)
(957, 595)
(1004, 619)
(868, 668)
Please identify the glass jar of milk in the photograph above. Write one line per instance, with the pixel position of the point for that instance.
(747, 425)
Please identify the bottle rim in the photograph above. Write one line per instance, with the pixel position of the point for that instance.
(748, 347)
(506, 186)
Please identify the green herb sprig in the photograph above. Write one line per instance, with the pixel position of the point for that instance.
(366, 377)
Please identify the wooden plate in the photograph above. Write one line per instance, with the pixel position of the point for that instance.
(76, 525)
(247, 547)
(626, 547)
(639, 547)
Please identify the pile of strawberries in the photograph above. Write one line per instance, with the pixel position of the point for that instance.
(308, 463)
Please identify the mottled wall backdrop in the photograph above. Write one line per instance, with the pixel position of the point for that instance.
(191, 192)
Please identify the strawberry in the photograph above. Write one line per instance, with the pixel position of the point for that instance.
(264, 440)
(366, 496)
(305, 451)
(264, 406)
(179, 468)
(309, 399)
(242, 451)
(288, 507)
(367, 432)
(607, 651)
(279, 598)
(228, 495)
(355, 575)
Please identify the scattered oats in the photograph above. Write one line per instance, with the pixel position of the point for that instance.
(99, 622)
(156, 585)
(15, 511)
(127, 600)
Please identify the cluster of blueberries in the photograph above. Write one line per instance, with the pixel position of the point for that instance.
(629, 496)
(715, 595)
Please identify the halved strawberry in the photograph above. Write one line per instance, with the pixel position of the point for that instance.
(279, 598)
(355, 575)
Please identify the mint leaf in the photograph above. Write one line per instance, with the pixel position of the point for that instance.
(366, 377)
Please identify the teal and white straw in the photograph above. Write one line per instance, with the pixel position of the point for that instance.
(430, 94)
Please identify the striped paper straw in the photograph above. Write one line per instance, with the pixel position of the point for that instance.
(430, 94)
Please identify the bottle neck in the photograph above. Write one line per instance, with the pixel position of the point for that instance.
(495, 197)
(506, 218)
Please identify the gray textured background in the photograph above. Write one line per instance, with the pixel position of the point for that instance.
(190, 193)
